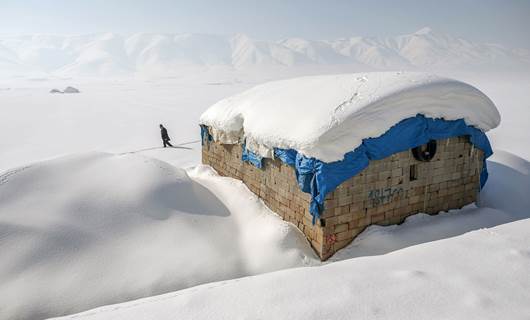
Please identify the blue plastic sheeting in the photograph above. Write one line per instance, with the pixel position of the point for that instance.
(320, 178)
(205, 135)
(287, 156)
(251, 157)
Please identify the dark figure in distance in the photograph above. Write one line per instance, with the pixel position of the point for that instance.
(165, 136)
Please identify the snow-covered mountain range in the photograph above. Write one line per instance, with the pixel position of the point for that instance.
(113, 54)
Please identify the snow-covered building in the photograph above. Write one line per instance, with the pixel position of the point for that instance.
(334, 154)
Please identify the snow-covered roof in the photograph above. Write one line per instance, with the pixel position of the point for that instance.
(327, 116)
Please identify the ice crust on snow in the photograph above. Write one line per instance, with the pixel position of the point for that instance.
(327, 116)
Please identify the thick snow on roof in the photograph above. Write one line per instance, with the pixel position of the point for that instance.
(327, 116)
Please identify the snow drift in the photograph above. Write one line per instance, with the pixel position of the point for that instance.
(327, 116)
(477, 273)
(458, 265)
(480, 275)
(92, 229)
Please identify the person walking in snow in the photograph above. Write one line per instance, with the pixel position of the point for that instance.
(165, 136)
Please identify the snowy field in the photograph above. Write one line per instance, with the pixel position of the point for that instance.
(116, 115)
(457, 278)
(129, 226)
(465, 264)
(93, 212)
(122, 116)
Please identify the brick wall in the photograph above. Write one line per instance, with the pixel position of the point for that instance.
(275, 184)
(386, 192)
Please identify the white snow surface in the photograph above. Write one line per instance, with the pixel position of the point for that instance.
(480, 275)
(122, 116)
(465, 264)
(327, 116)
(91, 229)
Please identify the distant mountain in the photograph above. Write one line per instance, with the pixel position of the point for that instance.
(111, 54)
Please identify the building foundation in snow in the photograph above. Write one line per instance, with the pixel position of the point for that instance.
(384, 193)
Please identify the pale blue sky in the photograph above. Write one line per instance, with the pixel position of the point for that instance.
(505, 22)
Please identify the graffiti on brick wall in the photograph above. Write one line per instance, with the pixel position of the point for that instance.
(385, 195)
(331, 239)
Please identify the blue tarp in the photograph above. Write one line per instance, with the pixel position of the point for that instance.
(205, 135)
(251, 157)
(320, 178)
(247, 155)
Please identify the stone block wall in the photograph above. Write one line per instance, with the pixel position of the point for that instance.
(275, 184)
(384, 193)
(391, 189)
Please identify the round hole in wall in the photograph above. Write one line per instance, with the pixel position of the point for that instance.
(425, 152)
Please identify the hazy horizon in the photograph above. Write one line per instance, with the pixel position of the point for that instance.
(501, 22)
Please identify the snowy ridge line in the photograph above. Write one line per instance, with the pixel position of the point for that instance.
(324, 118)
(4, 177)
(147, 300)
(114, 54)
